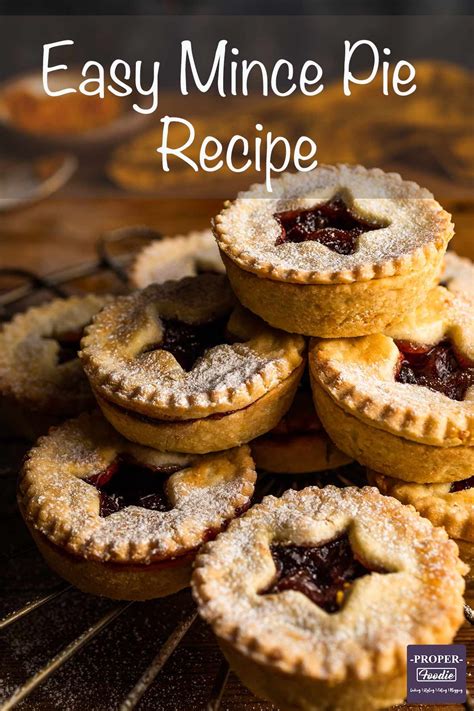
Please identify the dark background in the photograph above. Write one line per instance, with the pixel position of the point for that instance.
(234, 7)
(153, 33)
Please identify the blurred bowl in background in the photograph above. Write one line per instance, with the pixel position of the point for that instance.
(23, 182)
(72, 121)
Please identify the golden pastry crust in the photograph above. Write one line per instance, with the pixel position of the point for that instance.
(206, 434)
(297, 454)
(458, 275)
(225, 378)
(359, 375)
(332, 310)
(176, 258)
(416, 228)
(298, 444)
(286, 634)
(205, 493)
(389, 453)
(294, 690)
(307, 287)
(31, 378)
(114, 580)
(453, 510)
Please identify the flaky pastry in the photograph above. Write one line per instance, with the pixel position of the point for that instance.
(41, 378)
(315, 596)
(176, 258)
(122, 520)
(402, 402)
(339, 251)
(181, 367)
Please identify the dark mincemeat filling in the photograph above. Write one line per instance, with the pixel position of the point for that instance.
(188, 342)
(125, 482)
(69, 343)
(438, 368)
(322, 573)
(332, 224)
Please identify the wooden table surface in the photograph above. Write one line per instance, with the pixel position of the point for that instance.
(427, 137)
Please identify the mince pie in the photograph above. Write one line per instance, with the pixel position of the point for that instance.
(458, 275)
(402, 402)
(182, 368)
(175, 258)
(339, 251)
(298, 444)
(450, 505)
(315, 596)
(41, 377)
(125, 521)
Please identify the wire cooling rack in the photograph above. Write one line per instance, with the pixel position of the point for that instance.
(18, 289)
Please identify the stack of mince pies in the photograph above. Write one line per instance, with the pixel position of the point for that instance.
(181, 366)
(314, 327)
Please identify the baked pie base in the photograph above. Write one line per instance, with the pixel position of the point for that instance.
(181, 367)
(115, 580)
(205, 434)
(297, 454)
(298, 444)
(389, 453)
(294, 691)
(332, 310)
(401, 402)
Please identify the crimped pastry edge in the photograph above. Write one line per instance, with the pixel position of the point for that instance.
(156, 403)
(456, 518)
(434, 428)
(26, 322)
(364, 663)
(140, 264)
(448, 426)
(33, 501)
(414, 261)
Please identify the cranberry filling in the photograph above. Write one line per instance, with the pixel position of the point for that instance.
(462, 485)
(188, 342)
(69, 344)
(332, 224)
(322, 573)
(438, 368)
(125, 482)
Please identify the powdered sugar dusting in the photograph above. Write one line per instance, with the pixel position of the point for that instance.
(29, 368)
(176, 258)
(205, 493)
(360, 373)
(458, 275)
(421, 593)
(258, 357)
(248, 231)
